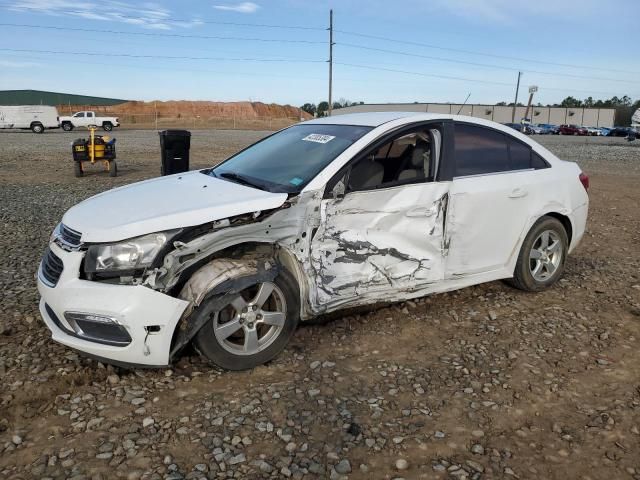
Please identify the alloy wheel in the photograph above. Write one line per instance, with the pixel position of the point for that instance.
(545, 256)
(252, 320)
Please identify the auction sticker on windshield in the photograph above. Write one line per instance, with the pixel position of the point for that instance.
(318, 138)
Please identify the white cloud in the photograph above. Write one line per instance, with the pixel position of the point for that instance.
(244, 7)
(146, 15)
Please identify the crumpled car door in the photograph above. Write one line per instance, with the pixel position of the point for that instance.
(381, 244)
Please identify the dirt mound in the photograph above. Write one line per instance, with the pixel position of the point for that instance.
(244, 110)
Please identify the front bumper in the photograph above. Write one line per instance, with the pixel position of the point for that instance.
(133, 307)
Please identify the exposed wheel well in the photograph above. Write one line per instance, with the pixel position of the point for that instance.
(566, 223)
(241, 250)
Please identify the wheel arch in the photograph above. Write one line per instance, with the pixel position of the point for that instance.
(563, 218)
(565, 221)
(228, 271)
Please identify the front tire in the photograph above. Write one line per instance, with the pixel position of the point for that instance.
(113, 168)
(542, 256)
(107, 126)
(253, 328)
(77, 169)
(67, 127)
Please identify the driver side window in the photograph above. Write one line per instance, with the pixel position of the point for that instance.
(411, 157)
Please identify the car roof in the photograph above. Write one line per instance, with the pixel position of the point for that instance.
(375, 119)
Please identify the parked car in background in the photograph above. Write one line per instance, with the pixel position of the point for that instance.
(548, 129)
(593, 131)
(336, 212)
(87, 119)
(572, 130)
(535, 129)
(520, 128)
(36, 118)
(604, 131)
(620, 132)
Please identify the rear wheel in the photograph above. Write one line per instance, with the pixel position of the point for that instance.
(77, 169)
(542, 256)
(37, 128)
(113, 168)
(253, 327)
(67, 126)
(107, 126)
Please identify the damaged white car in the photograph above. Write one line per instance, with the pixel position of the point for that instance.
(332, 213)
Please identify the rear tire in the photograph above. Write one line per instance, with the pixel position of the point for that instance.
(542, 256)
(237, 351)
(113, 168)
(67, 127)
(77, 169)
(107, 126)
(37, 128)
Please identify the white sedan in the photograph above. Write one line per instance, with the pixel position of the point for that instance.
(327, 214)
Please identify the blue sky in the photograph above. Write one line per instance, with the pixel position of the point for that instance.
(444, 49)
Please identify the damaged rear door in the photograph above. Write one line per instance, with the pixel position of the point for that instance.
(381, 224)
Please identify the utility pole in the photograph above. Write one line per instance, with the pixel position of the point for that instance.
(330, 60)
(515, 102)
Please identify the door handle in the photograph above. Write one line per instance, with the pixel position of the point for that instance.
(518, 193)
(420, 212)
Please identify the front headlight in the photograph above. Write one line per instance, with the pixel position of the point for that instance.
(136, 253)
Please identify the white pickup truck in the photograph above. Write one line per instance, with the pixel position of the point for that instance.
(87, 119)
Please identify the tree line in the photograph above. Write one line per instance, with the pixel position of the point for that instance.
(322, 108)
(624, 106)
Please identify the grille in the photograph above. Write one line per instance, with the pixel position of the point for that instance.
(69, 236)
(51, 268)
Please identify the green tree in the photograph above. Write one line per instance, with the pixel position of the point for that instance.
(322, 109)
(571, 102)
(310, 108)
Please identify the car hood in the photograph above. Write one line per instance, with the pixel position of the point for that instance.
(164, 203)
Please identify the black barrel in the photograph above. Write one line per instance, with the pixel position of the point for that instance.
(174, 147)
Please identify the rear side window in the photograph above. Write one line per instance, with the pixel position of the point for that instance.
(480, 150)
(520, 155)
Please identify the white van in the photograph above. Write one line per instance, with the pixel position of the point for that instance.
(34, 117)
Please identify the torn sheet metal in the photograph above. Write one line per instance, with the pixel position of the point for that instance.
(379, 243)
(289, 228)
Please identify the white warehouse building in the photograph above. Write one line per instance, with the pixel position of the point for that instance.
(589, 117)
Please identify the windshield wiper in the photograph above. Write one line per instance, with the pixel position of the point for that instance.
(240, 179)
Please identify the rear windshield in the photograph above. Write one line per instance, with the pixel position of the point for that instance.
(288, 160)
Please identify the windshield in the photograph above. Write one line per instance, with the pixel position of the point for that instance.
(288, 160)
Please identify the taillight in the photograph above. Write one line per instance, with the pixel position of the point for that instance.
(584, 180)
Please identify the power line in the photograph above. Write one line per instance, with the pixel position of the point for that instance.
(18, 9)
(162, 68)
(168, 57)
(471, 52)
(463, 62)
(446, 77)
(464, 79)
(158, 34)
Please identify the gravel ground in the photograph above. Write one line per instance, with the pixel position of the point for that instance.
(486, 382)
